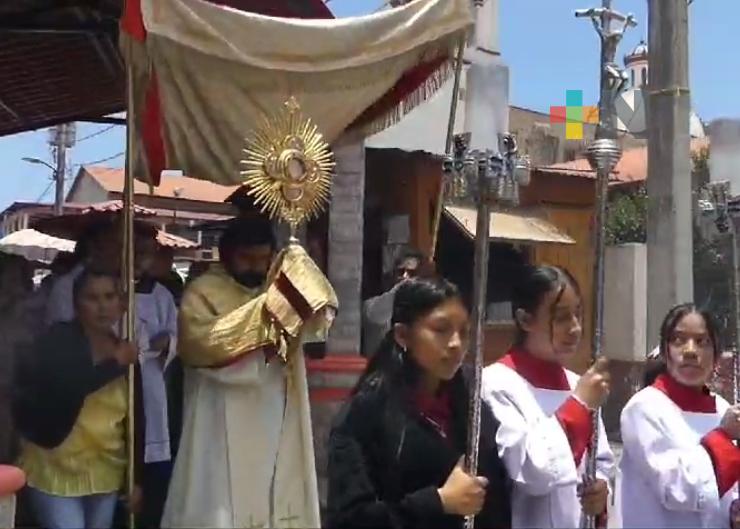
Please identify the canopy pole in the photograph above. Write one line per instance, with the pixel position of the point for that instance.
(127, 272)
(448, 144)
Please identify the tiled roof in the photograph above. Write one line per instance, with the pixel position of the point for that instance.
(187, 188)
(632, 167)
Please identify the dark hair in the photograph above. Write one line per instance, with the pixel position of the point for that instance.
(413, 300)
(88, 275)
(656, 367)
(535, 283)
(245, 232)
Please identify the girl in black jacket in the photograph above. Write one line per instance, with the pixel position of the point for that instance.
(395, 452)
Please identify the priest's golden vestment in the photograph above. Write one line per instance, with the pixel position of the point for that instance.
(246, 456)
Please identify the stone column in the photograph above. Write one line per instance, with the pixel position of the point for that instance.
(346, 214)
(331, 378)
(625, 327)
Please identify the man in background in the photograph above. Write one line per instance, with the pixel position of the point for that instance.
(377, 311)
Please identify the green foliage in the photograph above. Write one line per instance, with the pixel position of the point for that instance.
(626, 218)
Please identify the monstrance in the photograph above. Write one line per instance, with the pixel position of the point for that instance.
(288, 166)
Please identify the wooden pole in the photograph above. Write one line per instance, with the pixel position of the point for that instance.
(127, 272)
(448, 145)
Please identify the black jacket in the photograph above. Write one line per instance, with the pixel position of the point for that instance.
(52, 382)
(386, 464)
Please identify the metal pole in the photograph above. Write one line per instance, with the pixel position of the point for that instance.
(736, 296)
(480, 290)
(603, 153)
(128, 280)
(60, 170)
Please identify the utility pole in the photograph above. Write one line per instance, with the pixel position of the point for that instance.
(669, 221)
(61, 138)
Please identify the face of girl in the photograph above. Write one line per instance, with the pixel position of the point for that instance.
(554, 330)
(438, 341)
(690, 357)
(99, 305)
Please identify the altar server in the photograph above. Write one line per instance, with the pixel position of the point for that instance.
(546, 410)
(680, 466)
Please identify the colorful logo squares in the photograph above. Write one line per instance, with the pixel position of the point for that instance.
(574, 114)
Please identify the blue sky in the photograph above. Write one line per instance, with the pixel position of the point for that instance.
(547, 49)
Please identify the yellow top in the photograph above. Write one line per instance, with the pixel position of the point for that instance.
(92, 459)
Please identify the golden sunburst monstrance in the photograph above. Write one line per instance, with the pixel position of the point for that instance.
(288, 167)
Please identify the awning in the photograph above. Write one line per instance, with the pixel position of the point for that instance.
(514, 225)
(35, 246)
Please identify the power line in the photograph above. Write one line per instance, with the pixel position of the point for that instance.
(97, 133)
(48, 188)
(109, 158)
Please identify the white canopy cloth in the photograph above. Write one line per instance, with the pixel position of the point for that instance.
(219, 70)
(34, 245)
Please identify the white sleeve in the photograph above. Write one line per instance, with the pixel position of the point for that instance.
(60, 305)
(170, 325)
(605, 464)
(537, 455)
(683, 478)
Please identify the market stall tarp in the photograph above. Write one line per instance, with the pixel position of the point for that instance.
(35, 246)
(204, 75)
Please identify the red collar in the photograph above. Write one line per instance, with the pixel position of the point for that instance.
(436, 409)
(540, 373)
(686, 398)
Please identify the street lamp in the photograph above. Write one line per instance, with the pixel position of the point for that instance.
(58, 177)
(37, 161)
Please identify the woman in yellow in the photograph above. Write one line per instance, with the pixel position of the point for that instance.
(71, 412)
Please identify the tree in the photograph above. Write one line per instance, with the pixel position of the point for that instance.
(626, 218)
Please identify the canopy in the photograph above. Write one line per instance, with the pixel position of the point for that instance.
(35, 246)
(515, 225)
(204, 75)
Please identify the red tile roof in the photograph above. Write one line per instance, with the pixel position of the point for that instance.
(632, 167)
(188, 188)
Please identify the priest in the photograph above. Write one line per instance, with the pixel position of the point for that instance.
(246, 454)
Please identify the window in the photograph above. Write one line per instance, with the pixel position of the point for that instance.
(632, 77)
(644, 77)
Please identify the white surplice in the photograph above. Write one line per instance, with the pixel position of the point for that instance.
(666, 476)
(536, 451)
(157, 313)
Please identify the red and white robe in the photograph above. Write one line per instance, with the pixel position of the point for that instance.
(677, 469)
(543, 439)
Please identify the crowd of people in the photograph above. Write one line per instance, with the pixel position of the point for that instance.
(221, 400)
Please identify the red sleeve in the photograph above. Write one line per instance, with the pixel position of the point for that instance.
(725, 459)
(575, 419)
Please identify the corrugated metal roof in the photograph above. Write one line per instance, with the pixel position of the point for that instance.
(59, 60)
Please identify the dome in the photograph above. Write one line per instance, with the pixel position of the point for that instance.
(640, 53)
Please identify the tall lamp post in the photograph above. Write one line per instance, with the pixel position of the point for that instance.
(58, 177)
(485, 177)
(603, 154)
